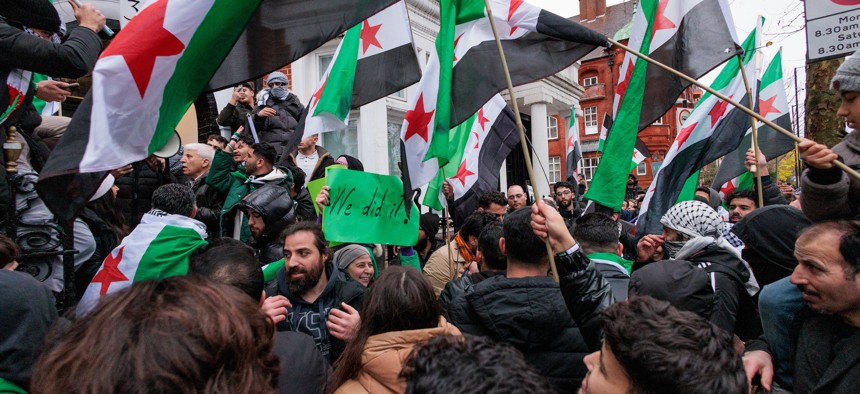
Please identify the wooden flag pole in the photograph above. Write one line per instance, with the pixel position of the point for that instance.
(447, 212)
(520, 129)
(754, 168)
(836, 163)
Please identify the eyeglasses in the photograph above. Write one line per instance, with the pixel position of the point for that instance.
(515, 196)
(564, 193)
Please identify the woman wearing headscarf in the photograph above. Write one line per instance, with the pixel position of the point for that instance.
(355, 260)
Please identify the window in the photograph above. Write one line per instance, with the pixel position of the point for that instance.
(554, 169)
(342, 142)
(551, 128)
(324, 61)
(642, 168)
(589, 164)
(588, 81)
(590, 115)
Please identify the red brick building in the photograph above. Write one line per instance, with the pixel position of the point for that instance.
(598, 74)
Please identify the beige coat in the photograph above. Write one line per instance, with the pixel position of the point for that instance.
(383, 358)
(440, 270)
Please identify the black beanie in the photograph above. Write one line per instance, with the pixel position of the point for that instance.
(39, 14)
(429, 222)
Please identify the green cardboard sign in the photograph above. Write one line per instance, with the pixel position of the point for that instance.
(315, 186)
(368, 208)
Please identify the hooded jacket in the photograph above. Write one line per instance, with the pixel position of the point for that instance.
(832, 194)
(274, 204)
(276, 129)
(311, 317)
(209, 203)
(770, 233)
(383, 357)
(530, 314)
(28, 312)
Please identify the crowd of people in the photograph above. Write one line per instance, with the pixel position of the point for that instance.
(209, 271)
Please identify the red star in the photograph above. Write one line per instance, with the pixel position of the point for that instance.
(318, 94)
(144, 39)
(418, 120)
(515, 5)
(368, 36)
(110, 272)
(660, 20)
(727, 188)
(685, 134)
(481, 119)
(462, 173)
(718, 111)
(455, 45)
(766, 106)
(570, 142)
(477, 139)
(622, 87)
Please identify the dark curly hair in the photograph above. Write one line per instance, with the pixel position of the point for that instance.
(176, 335)
(666, 350)
(448, 364)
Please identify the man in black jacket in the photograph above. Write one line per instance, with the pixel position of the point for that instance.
(270, 210)
(234, 114)
(277, 113)
(525, 308)
(196, 161)
(314, 296)
(598, 235)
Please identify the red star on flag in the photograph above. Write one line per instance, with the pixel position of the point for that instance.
(141, 41)
(622, 87)
(110, 272)
(418, 120)
(318, 94)
(718, 111)
(685, 134)
(570, 143)
(477, 139)
(368, 36)
(515, 5)
(455, 45)
(661, 22)
(766, 107)
(727, 188)
(462, 173)
(481, 119)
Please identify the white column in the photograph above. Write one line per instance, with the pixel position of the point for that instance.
(503, 176)
(373, 137)
(540, 155)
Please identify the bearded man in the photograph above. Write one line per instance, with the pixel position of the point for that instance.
(316, 297)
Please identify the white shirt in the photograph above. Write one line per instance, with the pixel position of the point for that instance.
(307, 164)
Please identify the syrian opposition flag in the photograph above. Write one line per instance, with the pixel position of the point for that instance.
(640, 148)
(773, 105)
(143, 83)
(713, 129)
(692, 36)
(282, 31)
(158, 248)
(481, 144)
(574, 149)
(604, 132)
(376, 58)
(464, 71)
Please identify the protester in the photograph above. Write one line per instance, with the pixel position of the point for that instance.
(277, 113)
(428, 227)
(633, 188)
(350, 162)
(28, 313)
(517, 197)
(692, 232)
(235, 114)
(301, 196)
(310, 157)
(741, 202)
(598, 236)
(134, 197)
(651, 347)
(399, 312)
(566, 206)
(158, 247)
(525, 308)
(178, 334)
(9, 253)
(826, 361)
(259, 170)
(493, 202)
(269, 210)
(320, 301)
(196, 161)
(493, 262)
(440, 269)
(217, 142)
(454, 364)
(108, 227)
(355, 261)
(828, 193)
(769, 234)
(229, 262)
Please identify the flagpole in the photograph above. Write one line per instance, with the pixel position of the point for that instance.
(836, 163)
(447, 213)
(519, 120)
(754, 167)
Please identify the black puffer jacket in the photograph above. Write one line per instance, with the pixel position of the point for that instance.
(769, 233)
(209, 202)
(233, 116)
(134, 197)
(453, 297)
(276, 129)
(274, 204)
(530, 314)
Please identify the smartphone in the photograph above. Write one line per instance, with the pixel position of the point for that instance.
(73, 86)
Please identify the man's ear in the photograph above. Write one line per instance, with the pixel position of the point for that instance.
(205, 163)
(193, 212)
(502, 246)
(620, 249)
